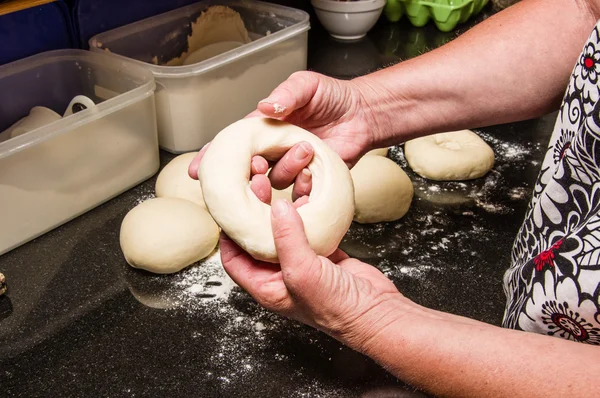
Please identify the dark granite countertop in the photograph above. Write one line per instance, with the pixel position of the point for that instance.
(78, 321)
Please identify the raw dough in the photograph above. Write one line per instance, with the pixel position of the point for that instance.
(216, 24)
(165, 235)
(39, 116)
(454, 156)
(384, 198)
(211, 50)
(175, 182)
(378, 152)
(282, 194)
(225, 171)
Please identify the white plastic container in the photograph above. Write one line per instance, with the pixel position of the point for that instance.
(58, 171)
(195, 102)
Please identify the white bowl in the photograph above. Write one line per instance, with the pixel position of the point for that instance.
(348, 20)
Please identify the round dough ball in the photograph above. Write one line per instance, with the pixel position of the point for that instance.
(225, 171)
(454, 156)
(378, 152)
(165, 235)
(174, 181)
(382, 190)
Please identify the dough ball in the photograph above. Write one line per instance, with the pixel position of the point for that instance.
(174, 181)
(378, 152)
(454, 156)
(382, 190)
(165, 235)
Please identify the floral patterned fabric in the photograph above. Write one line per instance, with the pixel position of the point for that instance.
(553, 284)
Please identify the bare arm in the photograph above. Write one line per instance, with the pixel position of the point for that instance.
(449, 355)
(444, 354)
(513, 66)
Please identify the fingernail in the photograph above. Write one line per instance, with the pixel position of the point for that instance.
(301, 151)
(306, 173)
(278, 108)
(279, 208)
(254, 164)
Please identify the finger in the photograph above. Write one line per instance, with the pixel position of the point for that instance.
(300, 202)
(247, 272)
(337, 256)
(300, 266)
(255, 113)
(193, 167)
(290, 95)
(302, 185)
(259, 165)
(290, 165)
(261, 186)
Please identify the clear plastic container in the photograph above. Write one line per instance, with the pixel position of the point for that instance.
(56, 172)
(195, 102)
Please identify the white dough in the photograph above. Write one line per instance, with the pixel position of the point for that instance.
(225, 171)
(382, 190)
(378, 152)
(215, 24)
(454, 156)
(165, 235)
(282, 194)
(175, 182)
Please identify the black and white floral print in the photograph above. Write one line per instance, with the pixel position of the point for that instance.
(553, 284)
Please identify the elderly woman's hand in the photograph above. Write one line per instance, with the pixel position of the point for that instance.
(344, 297)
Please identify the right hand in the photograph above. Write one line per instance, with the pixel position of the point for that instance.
(334, 110)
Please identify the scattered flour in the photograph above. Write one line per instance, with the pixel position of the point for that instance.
(427, 245)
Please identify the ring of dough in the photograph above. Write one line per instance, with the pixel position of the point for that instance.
(453, 156)
(225, 171)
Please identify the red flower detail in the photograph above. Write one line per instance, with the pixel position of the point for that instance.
(546, 257)
(588, 62)
(563, 151)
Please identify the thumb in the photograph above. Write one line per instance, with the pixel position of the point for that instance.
(300, 265)
(290, 95)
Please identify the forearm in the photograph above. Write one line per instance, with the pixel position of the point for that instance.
(513, 66)
(448, 355)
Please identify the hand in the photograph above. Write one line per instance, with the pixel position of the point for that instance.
(334, 110)
(343, 297)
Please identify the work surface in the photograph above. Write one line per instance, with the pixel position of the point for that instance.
(78, 321)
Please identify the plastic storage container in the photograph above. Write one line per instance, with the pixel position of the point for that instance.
(195, 102)
(56, 172)
(445, 13)
(91, 17)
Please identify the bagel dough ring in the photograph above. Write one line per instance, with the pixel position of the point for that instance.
(174, 182)
(165, 235)
(385, 198)
(453, 156)
(225, 171)
(378, 152)
(282, 194)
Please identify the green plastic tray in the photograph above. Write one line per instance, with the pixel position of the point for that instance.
(445, 13)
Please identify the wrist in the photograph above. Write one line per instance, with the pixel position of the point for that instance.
(377, 109)
(364, 332)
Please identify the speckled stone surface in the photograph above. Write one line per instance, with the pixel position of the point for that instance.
(77, 321)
